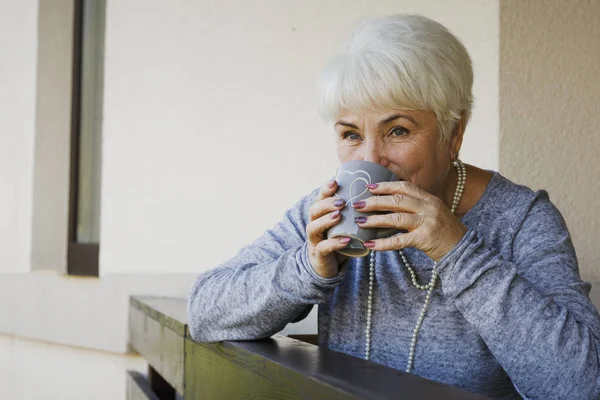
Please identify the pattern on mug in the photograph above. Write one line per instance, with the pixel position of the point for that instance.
(366, 181)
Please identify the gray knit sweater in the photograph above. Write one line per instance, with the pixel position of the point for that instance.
(510, 316)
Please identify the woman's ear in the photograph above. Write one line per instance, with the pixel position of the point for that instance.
(456, 136)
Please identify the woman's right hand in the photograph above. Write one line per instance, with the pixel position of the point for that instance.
(324, 214)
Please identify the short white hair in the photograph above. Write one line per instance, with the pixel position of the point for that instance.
(400, 61)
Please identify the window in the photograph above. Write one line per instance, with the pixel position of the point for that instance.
(86, 143)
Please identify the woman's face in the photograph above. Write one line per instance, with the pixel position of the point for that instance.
(405, 141)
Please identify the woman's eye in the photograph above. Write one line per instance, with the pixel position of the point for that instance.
(399, 131)
(351, 136)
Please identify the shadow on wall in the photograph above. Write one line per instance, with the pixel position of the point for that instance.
(595, 294)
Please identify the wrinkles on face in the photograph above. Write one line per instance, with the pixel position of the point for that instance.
(405, 141)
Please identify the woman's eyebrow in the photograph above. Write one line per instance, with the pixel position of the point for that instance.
(344, 123)
(380, 123)
(396, 116)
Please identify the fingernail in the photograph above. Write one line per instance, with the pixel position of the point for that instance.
(360, 220)
(338, 203)
(359, 204)
(345, 240)
(372, 186)
(331, 184)
(369, 244)
(335, 214)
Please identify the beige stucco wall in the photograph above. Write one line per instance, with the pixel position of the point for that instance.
(550, 110)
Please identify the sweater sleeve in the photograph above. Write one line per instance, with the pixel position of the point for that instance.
(532, 311)
(264, 287)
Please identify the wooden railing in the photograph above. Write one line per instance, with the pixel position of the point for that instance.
(277, 368)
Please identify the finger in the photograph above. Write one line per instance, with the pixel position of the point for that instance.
(327, 190)
(394, 202)
(407, 221)
(324, 206)
(326, 247)
(401, 187)
(316, 228)
(395, 242)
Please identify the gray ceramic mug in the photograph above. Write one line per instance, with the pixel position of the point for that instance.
(352, 178)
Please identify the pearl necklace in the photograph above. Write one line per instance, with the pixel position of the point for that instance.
(458, 193)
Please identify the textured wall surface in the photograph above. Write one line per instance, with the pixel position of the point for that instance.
(550, 110)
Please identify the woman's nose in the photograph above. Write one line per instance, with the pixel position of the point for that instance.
(373, 152)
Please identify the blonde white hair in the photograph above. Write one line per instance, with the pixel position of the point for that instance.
(400, 62)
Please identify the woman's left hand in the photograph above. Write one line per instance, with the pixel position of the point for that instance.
(431, 226)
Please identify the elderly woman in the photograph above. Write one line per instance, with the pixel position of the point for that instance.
(482, 291)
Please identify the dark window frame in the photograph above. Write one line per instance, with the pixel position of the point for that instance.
(82, 258)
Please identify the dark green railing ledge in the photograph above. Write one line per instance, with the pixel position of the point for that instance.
(277, 368)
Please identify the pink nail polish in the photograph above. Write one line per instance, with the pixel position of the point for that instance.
(359, 204)
(345, 240)
(331, 184)
(369, 244)
(371, 186)
(335, 214)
